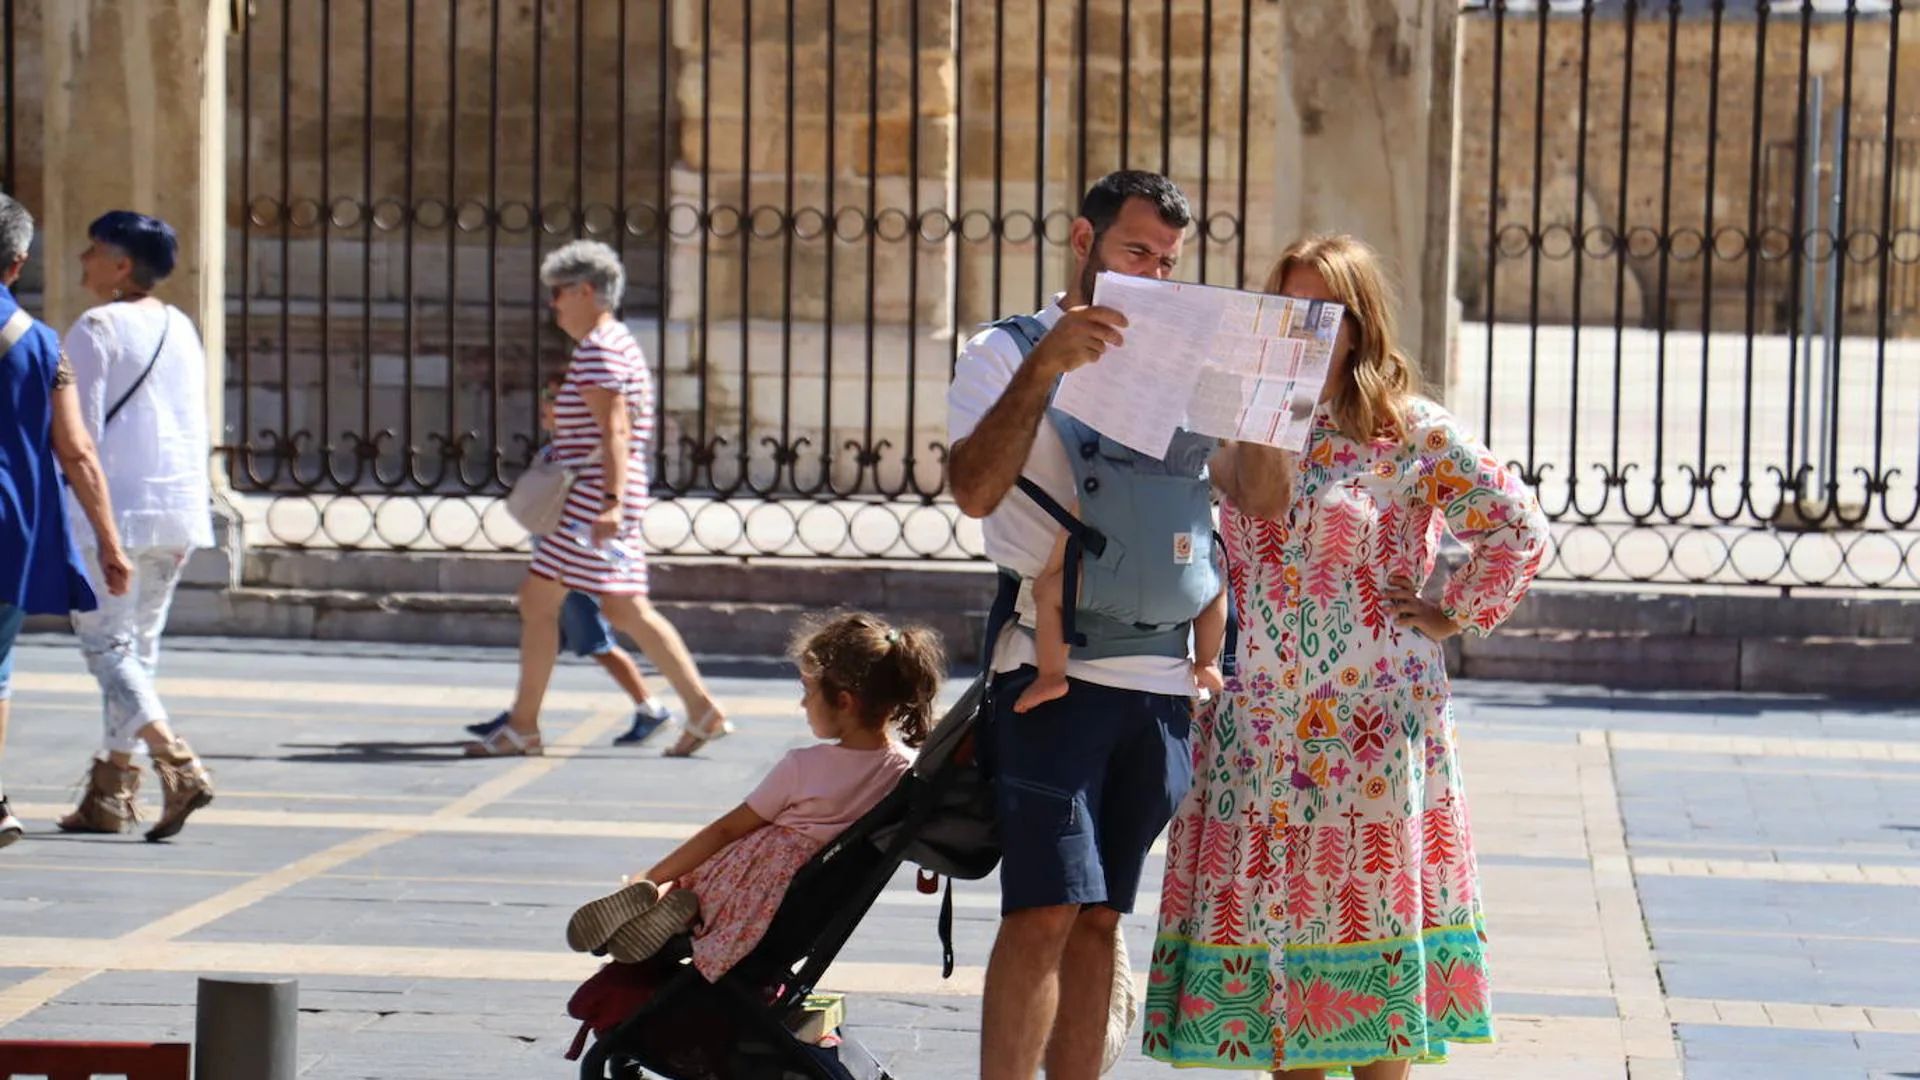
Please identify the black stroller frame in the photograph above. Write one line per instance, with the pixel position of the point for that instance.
(824, 904)
(822, 908)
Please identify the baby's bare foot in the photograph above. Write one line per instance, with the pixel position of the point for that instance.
(1042, 691)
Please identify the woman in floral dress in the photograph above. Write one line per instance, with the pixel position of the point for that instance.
(1321, 909)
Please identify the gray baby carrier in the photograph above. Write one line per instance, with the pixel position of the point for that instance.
(1142, 559)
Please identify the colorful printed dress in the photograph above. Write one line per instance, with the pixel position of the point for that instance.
(1321, 906)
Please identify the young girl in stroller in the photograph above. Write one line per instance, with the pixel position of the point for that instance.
(869, 690)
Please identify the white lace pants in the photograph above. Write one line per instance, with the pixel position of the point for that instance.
(121, 641)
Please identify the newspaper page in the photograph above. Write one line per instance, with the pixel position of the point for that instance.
(1223, 362)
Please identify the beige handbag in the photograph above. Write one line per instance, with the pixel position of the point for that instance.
(538, 500)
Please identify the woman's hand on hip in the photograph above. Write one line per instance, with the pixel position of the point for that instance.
(1410, 611)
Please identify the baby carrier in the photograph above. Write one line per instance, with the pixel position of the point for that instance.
(1142, 557)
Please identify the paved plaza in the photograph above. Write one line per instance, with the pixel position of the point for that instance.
(1725, 886)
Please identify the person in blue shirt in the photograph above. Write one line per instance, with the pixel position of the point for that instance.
(42, 438)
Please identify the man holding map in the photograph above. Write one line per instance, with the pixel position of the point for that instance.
(1085, 783)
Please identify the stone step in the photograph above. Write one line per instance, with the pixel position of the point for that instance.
(1715, 614)
(1878, 668)
(1840, 645)
(892, 585)
(734, 628)
(944, 585)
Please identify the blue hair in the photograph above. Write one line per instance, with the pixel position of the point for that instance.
(148, 241)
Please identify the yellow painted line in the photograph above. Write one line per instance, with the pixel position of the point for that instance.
(1772, 851)
(418, 693)
(1799, 936)
(85, 868)
(219, 906)
(502, 825)
(1779, 1014)
(23, 997)
(415, 824)
(398, 962)
(416, 962)
(1767, 746)
(228, 794)
(1797, 872)
(1910, 776)
(137, 950)
(528, 770)
(755, 711)
(1646, 1029)
(329, 693)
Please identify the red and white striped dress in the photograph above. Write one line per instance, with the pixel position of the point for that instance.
(606, 359)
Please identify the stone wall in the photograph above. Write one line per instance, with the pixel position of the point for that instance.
(1668, 163)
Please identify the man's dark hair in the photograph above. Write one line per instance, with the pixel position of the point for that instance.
(1108, 194)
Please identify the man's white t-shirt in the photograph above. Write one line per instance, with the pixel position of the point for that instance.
(1019, 535)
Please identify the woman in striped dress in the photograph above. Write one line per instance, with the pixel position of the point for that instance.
(603, 423)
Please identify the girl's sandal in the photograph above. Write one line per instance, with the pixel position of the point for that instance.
(643, 936)
(713, 727)
(506, 742)
(594, 924)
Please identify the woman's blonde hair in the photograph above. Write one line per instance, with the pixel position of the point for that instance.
(1371, 401)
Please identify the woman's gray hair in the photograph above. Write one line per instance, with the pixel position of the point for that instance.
(592, 262)
(16, 230)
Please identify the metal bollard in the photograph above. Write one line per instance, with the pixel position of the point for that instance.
(246, 1029)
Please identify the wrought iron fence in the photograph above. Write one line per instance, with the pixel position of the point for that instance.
(1689, 243)
(815, 201)
(1687, 255)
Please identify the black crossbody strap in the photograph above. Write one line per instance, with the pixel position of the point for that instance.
(142, 380)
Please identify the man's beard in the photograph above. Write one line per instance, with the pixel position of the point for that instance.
(1087, 273)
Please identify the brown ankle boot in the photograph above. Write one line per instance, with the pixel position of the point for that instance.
(107, 806)
(186, 785)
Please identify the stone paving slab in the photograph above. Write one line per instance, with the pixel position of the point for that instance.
(1745, 855)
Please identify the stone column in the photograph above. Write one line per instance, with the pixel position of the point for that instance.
(134, 118)
(1364, 144)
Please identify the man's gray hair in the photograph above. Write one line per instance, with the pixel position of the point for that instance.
(592, 262)
(16, 230)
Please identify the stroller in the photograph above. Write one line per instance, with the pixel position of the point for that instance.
(939, 816)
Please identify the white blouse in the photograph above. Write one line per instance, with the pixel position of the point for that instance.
(155, 453)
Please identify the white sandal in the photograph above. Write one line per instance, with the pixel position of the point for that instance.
(714, 728)
(506, 742)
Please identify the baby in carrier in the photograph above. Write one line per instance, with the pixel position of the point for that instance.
(1051, 650)
(869, 690)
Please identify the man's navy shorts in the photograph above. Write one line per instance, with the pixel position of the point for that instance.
(1083, 785)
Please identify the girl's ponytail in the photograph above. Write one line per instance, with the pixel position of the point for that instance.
(895, 673)
(919, 665)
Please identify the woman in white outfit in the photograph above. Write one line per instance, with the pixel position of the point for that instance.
(141, 373)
